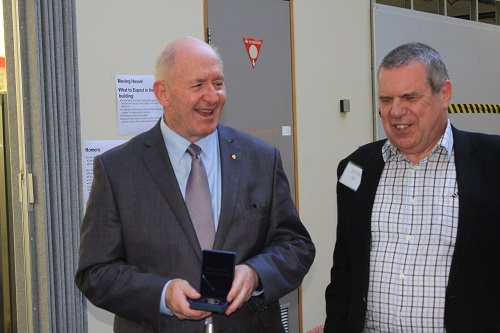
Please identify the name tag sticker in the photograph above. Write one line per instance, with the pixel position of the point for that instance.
(351, 177)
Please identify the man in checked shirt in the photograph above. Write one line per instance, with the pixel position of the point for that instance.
(418, 235)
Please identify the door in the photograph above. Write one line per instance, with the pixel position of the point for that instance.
(254, 40)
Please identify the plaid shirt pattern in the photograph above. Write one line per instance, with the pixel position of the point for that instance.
(413, 232)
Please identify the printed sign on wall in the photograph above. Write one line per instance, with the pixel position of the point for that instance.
(253, 48)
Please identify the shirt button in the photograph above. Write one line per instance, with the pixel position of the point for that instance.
(401, 275)
(412, 201)
(408, 238)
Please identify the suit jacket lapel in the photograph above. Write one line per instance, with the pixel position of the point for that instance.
(468, 164)
(370, 180)
(372, 164)
(374, 171)
(158, 163)
(230, 158)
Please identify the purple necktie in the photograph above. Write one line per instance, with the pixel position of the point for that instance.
(199, 201)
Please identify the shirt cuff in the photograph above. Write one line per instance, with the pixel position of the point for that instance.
(163, 305)
(258, 292)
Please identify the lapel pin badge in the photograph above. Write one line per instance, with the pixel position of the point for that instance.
(233, 157)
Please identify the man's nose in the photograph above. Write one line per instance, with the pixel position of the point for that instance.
(398, 107)
(211, 96)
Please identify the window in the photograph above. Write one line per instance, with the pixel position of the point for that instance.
(485, 11)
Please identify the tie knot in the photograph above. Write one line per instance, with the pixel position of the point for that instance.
(194, 150)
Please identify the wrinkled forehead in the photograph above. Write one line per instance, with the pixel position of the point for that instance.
(413, 74)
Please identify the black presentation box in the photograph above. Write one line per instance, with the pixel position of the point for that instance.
(217, 274)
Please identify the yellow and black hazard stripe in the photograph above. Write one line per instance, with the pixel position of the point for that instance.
(474, 108)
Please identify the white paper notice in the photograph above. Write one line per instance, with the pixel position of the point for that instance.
(138, 109)
(351, 177)
(90, 149)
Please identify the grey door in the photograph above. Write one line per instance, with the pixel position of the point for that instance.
(253, 38)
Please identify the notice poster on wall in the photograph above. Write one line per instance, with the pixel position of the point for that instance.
(90, 149)
(138, 109)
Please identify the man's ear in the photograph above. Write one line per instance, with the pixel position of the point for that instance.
(446, 90)
(160, 90)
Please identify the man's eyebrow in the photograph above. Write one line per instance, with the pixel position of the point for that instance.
(412, 94)
(409, 94)
(199, 79)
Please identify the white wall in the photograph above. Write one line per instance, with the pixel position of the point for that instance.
(332, 62)
(2, 37)
(113, 25)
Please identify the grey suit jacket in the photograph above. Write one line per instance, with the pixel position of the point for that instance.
(473, 293)
(137, 234)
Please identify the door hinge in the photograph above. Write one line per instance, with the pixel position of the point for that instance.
(26, 179)
(209, 36)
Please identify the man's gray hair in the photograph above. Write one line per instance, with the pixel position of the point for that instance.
(166, 61)
(434, 64)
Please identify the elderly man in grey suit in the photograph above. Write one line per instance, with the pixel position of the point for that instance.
(140, 256)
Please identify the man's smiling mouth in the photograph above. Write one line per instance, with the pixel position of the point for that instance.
(402, 127)
(204, 112)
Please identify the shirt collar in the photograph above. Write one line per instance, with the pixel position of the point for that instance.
(446, 142)
(177, 145)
